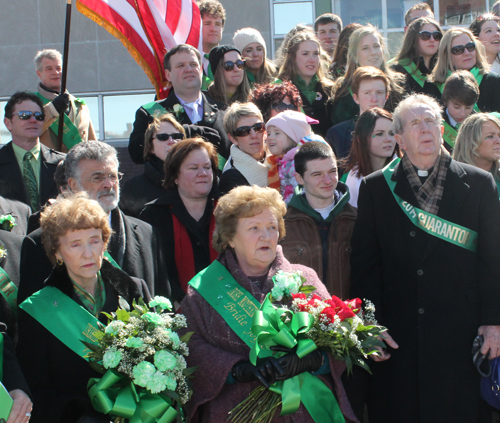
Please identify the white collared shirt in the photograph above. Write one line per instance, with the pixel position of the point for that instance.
(194, 109)
(453, 122)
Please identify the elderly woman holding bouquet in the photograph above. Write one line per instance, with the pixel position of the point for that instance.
(222, 299)
(54, 321)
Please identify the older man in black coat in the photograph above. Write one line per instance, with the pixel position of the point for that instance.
(434, 288)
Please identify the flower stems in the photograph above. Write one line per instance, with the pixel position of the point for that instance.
(259, 407)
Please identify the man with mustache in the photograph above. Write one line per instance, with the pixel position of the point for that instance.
(92, 166)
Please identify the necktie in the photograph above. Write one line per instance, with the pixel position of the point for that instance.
(192, 112)
(30, 181)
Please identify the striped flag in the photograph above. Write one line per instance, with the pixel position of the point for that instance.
(148, 29)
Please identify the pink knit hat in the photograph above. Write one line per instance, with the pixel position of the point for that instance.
(292, 123)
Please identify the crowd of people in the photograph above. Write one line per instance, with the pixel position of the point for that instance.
(376, 178)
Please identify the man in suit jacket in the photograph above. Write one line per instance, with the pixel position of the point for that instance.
(185, 101)
(19, 211)
(26, 166)
(425, 252)
(92, 166)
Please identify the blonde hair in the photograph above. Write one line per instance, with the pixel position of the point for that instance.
(237, 111)
(470, 137)
(245, 201)
(73, 213)
(444, 63)
(153, 128)
(288, 69)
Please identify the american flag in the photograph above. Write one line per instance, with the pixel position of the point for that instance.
(148, 29)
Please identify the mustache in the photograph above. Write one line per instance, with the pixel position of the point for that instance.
(104, 192)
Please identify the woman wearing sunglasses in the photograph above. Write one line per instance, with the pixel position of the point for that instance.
(247, 163)
(366, 48)
(183, 215)
(162, 133)
(418, 56)
(259, 69)
(303, 67)
(459, 49)
(487, 30)
(272, 99)
(230, 83)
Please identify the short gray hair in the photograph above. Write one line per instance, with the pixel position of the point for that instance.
(237, 111)
(47, 53)
(410, 101)
(88, 150)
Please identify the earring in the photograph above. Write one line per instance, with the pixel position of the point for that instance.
(59, 261)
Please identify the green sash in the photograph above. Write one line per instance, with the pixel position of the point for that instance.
(73, 323)
(449, 134)
(111, 260)
(430, 223)
(413, 71)
(477, 76)
(8, 291)
(237, 307)
(154, 108)
(71, 136)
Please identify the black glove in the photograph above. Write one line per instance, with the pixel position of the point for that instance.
(293, 365)
(266, 371)
(61, 102)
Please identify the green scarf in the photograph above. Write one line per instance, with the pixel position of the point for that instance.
(93, 303)
(299, 201)
(308, 90)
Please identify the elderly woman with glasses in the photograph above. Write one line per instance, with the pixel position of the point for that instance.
(272, 99)
(487, 31)
(230, 82)
(54, 321)
(418, 56)
(459, 49)
(183, 215)
(247, 163)
(249, 224)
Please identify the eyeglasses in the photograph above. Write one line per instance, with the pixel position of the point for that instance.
(97, 179)
(166, 137)
(243, 131)
(458, 50)
(229, 66)
(426, 35)
(25, 115)
(281, 107)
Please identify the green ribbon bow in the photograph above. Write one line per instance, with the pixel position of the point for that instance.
(271, 330)
(113, 394)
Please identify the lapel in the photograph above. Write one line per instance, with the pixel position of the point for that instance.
(49, 161)
(11, 172)
(169, 104)
(209, 112)
(132, 243)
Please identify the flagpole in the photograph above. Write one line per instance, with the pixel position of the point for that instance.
(64, 71)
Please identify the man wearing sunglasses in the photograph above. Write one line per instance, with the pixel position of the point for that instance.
(186, 102)
(27, 167)
(77, 124)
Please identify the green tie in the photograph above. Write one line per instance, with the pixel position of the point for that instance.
(30, 181)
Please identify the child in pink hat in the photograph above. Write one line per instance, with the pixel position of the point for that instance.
(286, 132)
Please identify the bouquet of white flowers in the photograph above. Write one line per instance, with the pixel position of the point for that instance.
(147, 376)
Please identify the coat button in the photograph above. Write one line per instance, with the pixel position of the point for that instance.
(413, 233)
(420, 272)
(421, 311)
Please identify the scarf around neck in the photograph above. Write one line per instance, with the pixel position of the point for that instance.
(254, 171)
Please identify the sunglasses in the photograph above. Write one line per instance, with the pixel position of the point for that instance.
(229, 66)
(458, 50)
(281, 107)
(243, 131)
(166, 137)
(25, 115)
(426, 35)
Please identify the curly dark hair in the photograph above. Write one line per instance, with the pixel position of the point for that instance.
(265, 95)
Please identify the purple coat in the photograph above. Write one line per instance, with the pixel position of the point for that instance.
(215, 349)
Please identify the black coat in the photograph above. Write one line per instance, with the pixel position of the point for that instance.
(143, 188)
(212, 118)
(231, 178)
(431, 295)
(57, 376)
(142, 259)
(10, 263)
(412, 86)
(319, 110)
(11, 177)
(340, 138)
(13, 377)
(159, 214)
(489, 89)
(20, 211)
